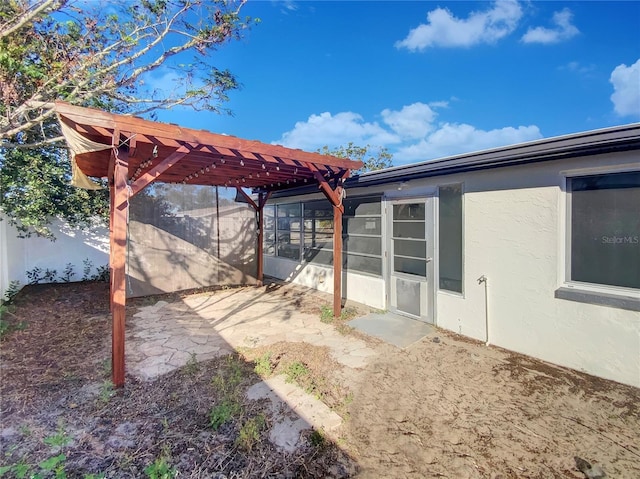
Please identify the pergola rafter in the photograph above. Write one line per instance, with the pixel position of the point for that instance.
(132, 153)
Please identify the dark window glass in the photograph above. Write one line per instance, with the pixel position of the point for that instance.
(365, 264)
(450, 237)
(362, 244)
(289, 226)
(363, 226)
(605, 229)
(362, 206)
(362, 235)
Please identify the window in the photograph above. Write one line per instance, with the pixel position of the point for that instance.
(362, 235)
(604, 229)
(288, 231)
(450, 237)
(318, 232)
(269, 229)
(285, 226)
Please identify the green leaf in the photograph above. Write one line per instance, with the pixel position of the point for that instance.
(53, 462)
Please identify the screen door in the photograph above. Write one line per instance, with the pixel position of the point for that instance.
(410, 258)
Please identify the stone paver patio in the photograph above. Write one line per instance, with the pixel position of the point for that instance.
(165, 336)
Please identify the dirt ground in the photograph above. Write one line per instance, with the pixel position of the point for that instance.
(444, 407)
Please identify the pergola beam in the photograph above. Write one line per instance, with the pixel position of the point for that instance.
(152, 174)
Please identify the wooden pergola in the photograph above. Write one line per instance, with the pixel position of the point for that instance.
(132, 153)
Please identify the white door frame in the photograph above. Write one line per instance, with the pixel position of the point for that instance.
(425, 310)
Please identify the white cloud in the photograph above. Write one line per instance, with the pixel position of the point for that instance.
(563, 29)
(335, 130)
(286, 6)
(413, 121)
(411, 134)
(444, 30)
(626, 89)
(578, 68)
(452, 139)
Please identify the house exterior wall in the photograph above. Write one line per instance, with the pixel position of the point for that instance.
(19, 255)
(514, 224)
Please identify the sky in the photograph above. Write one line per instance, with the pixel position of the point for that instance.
(428, 79)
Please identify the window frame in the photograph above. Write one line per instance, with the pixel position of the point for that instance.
(288, 231)
(381, 236)
(304, 232)
(460, 294)
(273, 231)
(593, 293)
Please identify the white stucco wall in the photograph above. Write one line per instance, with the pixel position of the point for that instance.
(19, 255)
(514, 222)
(356, 287)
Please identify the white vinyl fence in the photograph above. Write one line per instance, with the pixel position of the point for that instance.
(72, 246)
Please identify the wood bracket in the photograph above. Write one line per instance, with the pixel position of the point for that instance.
(248, 198)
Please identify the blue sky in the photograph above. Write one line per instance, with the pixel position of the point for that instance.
(427, 79)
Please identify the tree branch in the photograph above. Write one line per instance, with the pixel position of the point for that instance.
(27, 17)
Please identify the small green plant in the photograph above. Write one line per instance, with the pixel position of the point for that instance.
(37, 275)
(55, 465)
(192, 366)
(59, 439)
(94, 476)
(10, 293)
(317, 439)
(263, 365)
(19, 470)
(250, 431)
(223, 412)
(87, 266)
(326, 313)
(106, 391)
(67, 273)
(5, 326)
(105, 366)
(160, 469)
(102, 274)
(295, 371)
(229, 378)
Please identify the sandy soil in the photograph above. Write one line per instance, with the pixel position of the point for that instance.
(444, 407)
(455, 408)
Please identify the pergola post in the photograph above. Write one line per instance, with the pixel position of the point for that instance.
(259, 209)
(119, 211)
(337, 259)
(335, 197)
